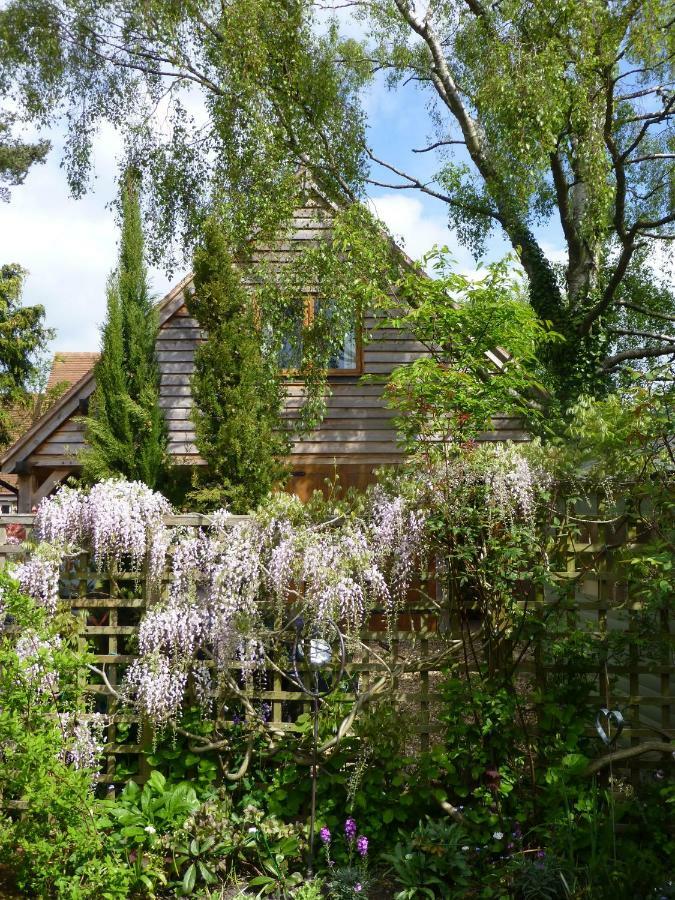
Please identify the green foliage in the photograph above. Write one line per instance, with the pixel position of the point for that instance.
(173, 757)
(310, 890)
(50, 838)
(614, 457)
(254, 64)
(145, 814)
(567, 114)
(539, 877)
(239, 840)
(23, 339)
(370, 775)
(125, 431)
(343, 880)
(431, 861)
(16, 156)
(453, 393)
(235, 386)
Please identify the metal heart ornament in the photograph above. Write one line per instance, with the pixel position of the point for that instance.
(609, 725)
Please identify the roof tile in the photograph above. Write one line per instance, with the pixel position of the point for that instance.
(70, 367)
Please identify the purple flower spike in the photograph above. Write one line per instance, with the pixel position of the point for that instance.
(324, 834)
(358, 887)
(362, 845)
(350, 829)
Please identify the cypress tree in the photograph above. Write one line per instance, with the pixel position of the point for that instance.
(235, 386)
(125, 429)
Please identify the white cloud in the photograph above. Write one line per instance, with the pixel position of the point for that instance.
(554, 253)
(68, 246)
(414, 227)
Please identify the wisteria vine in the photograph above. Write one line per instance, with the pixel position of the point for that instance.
(235, 586)
(232, 586)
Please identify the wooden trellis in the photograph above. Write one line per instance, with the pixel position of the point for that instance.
(110, 606)
(638, 685)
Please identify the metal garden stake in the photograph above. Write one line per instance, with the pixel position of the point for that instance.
(318, 655)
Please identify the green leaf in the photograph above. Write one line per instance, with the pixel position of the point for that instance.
(189, 879)
(206, 873)
(261, 881)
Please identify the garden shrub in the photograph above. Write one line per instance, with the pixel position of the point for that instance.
(48, 757)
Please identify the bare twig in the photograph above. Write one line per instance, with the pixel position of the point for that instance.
(629, 753)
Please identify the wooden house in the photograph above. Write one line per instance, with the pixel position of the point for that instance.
(355, 437)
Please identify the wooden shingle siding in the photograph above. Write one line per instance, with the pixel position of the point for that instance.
(358, 428)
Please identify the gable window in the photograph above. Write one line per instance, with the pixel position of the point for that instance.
(345, 360)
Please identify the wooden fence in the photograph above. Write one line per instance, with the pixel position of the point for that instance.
(110, 607)
(629, 678)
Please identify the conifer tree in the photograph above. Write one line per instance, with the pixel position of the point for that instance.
(125, 430)
(235, 385)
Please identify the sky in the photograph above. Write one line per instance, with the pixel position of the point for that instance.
(69, 245)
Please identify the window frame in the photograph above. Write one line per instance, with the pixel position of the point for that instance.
(356, 371)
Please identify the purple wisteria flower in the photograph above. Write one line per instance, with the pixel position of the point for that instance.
(324, 834)
(350, 829)
(362, 845)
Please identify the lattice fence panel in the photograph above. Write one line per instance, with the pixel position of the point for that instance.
(110, 606)
(637, 684)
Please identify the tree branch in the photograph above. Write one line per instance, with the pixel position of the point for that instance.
(649, 120)
(448, 90)
(419, 185)
(629, 753)
(650, 157)
(629, 248)
(640, 353)
(562, 193)
(655, 223)
(643, 334)
(438, 144)
(645, 311)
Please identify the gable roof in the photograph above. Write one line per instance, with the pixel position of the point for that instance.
(67, 405)
(341, 436)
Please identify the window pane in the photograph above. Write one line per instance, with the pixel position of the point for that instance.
(345, 357)
(290, 353)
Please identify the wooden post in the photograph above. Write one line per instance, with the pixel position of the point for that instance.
(27, 484)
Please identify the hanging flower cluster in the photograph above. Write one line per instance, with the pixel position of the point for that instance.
(39, 577)
(115, 520)
(512, 482)
(158, 687)
(36, 661)
(228, 583)
(396, 533)
(224, 579)
(84, 739)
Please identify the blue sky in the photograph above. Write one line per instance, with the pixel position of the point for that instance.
(69, 246)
